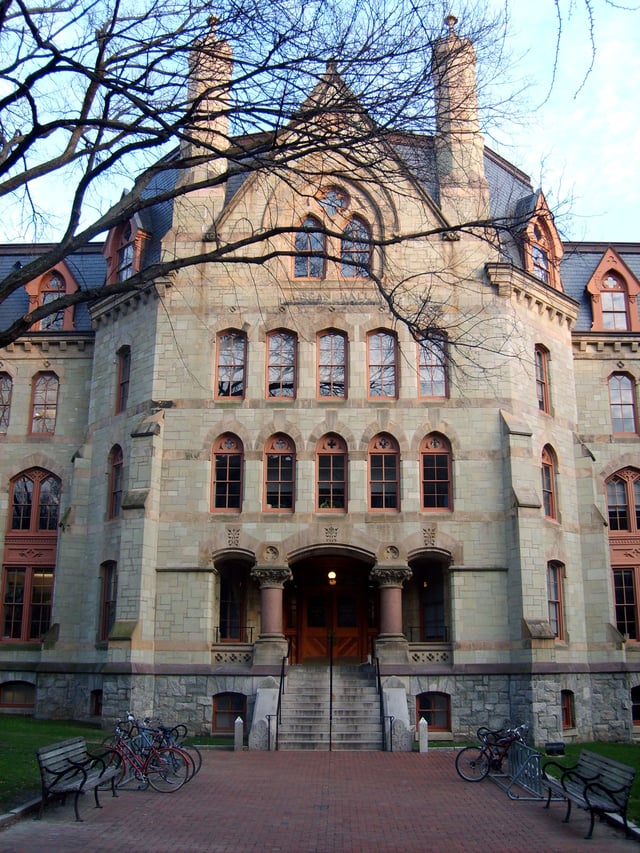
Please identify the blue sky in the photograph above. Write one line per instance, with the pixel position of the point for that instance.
(582, 142)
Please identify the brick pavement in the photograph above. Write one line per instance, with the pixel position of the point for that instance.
(315, 802)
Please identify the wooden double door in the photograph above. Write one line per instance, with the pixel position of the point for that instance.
(333, 614)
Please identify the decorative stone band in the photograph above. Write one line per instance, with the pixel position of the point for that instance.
(386, 576)
(271, 576)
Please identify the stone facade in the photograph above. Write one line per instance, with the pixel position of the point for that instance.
(453, 599)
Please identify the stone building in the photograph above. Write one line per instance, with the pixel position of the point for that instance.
(253, 465)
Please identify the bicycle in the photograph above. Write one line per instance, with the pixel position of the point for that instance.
(473, 763)
(173, 736)
(164, 768)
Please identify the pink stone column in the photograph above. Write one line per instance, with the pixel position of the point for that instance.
(272, 581)
(391, 643)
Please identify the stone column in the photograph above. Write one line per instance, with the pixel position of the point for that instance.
(392, 645)
(271, 645)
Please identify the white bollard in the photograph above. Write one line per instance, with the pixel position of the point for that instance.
(424, 735)
(238, 734)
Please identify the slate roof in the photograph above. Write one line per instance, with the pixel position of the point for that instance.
(87, 265)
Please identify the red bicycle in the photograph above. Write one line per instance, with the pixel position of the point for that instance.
(474, 763)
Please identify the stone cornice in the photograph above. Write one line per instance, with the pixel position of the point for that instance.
(61, 343)
(111, 307)
(532, 293)
(613, 344)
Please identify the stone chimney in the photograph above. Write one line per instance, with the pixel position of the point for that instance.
(464, 193)
(210, 66)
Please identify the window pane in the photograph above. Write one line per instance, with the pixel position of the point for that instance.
(14, 588)
(41, 596)
(622, 400)
(618, 509)
(625, 595)
(355, 250)
(22, 503)
(432, 369)
(332, 366)
(6, 387)
(231, 357)
(281, 370)
(382, 365)
(45, 401)
(49, 504)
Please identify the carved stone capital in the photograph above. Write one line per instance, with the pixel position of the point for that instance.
(391, 575)
(271, 576)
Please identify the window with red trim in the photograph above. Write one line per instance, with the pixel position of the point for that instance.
(623, 510)
(355, 249)
(622, 402)
(384, 473)
(382, 356)
(227, 707)
(555, 582)
(109, 596)
(614, 293)
(549, 490)
(435, 708)
(435, 462)
(332, 364)
(124, 377)
(44, 403)
(116, 478)
(542, 378)
(6, 391)
(567, 701)
(282, 349)
(310, 250)
(331, 466)
(280, 469)
(432, 371)
(231, 365)
(228, 464)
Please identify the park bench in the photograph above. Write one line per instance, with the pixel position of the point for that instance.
(595, 783)
(67, 767)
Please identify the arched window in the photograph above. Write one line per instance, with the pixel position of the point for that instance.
(331, 466)
(435, 708)
(432, 371)
(35, 501)
(542, 378)
(623, 508)
(549, 489)
(116, 484)
(228, 465)
(309, 261)
(567, 701)
(355, 250)
(227, 707)
(622, 402)
(280, 469)
(435, 463)
(17, 694)
(282, 350)
(108, 598)
(231, 366)
(124, 376)
(332, 364)
(6, 390)
(44, 403)
(555, 583)
(384, 473)
(51, 288)
(382, 357)
(333, 201)
(543, 248)
(27, 583)
(123, 251)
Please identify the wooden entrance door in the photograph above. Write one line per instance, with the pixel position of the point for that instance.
(333, 614)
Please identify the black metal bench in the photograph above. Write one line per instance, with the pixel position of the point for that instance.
(67, 767)
(596, 783)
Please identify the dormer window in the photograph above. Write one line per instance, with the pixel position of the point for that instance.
(123, 251)
(47, 289)
(542, 247)
(614, 296)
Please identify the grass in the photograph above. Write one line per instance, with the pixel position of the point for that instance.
(20, 736)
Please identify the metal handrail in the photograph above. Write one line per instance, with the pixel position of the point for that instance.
(376, 663)
(278, 714)
(331, 638)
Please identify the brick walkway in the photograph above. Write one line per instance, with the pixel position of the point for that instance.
(315, 802)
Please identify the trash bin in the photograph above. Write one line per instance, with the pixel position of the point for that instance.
(554, 748)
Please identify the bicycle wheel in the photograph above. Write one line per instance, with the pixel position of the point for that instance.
(167, 769)
(472, 763)
(195, 756)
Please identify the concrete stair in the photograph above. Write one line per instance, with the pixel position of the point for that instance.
(305, 709)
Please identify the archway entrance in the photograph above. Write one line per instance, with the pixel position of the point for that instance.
(330, 603)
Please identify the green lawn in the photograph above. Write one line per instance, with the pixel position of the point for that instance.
(20, 736)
